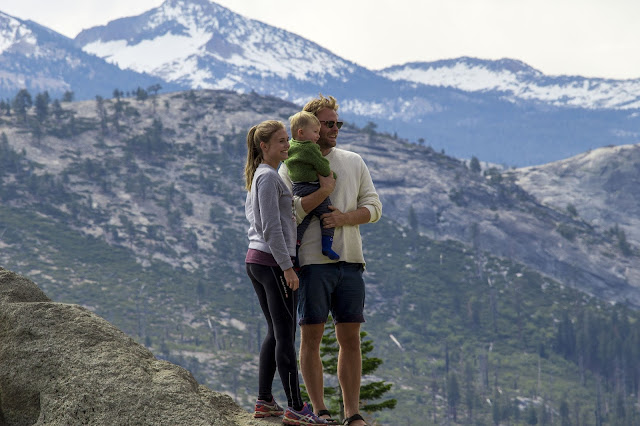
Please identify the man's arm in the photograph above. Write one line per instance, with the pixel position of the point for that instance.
(303, 205)
(369, 205)
(336, 218)
(368, 196)
(313, 200)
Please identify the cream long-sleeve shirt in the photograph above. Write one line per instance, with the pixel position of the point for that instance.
(354, 189)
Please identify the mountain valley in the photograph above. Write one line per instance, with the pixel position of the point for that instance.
(133, 207)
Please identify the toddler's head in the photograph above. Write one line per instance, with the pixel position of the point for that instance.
(305, 126)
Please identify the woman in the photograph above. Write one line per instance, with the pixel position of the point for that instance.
(269, 263)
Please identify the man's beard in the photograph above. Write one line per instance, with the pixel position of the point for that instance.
(325, 143)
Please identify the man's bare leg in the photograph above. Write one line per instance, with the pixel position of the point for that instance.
(350, 367)
(311, 363)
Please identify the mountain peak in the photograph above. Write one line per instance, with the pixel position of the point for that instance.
(15, 34)
(36, 58)
(496, 65)
(465, 73)
(204, 45)
(518, 81)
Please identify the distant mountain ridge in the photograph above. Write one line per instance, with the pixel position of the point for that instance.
(134, 208)
(213, 48)
(502, 112)
(490, 211)
(518, 81)
(602, 185)
(39, 59)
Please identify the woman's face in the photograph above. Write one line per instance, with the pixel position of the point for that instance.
(276, 149)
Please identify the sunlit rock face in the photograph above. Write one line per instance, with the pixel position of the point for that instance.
(62, 364)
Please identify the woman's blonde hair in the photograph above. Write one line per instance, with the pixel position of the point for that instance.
(258, 133)
(319, 103)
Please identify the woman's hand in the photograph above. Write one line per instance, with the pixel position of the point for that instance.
(292, 279)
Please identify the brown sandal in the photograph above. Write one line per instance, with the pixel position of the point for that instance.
(353, 418)
(330, 420)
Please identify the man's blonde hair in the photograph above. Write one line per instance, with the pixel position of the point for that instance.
(319, 103)
(300, 120)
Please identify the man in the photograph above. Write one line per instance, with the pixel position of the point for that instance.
(328, 285)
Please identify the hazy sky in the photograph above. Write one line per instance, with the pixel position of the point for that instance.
(592, 38)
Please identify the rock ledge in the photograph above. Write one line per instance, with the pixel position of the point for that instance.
(62, 364)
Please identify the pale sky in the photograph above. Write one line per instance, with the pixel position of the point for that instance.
(591, 38)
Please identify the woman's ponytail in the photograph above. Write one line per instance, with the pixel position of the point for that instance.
(259, 133)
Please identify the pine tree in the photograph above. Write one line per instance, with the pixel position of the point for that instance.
(564, 413)
(474, 165)
(68, 96)
(413, 219)
(369, 392)
(374, 390)
(531, 417)
(21, 103)
(42, 106)
(453, 395)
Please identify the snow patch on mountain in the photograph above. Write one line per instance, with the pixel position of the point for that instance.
(205, 39)
(460, 75)
(13, 32)
(151, 55)
(392, 108)
(521, 83)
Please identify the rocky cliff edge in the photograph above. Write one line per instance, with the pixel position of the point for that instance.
(61, 364)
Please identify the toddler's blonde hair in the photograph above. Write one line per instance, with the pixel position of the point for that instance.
(300, 120)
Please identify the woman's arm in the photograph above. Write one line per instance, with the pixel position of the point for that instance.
(269, 216)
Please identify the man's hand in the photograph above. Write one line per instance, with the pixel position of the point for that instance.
(337, 218)
(334, 219)
(327, 184)
(313, 200)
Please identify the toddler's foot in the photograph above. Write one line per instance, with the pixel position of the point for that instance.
(331, 254)
(327, 242)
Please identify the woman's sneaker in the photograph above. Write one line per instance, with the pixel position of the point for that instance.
(302, 417)
(267, 409)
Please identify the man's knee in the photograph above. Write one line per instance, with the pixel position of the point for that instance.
(311, 335)
(348, 336)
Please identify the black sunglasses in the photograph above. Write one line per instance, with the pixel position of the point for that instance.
(331, 123)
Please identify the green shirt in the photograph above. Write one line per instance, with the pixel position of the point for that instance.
(305, 161)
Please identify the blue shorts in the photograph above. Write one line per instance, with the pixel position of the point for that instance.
(331, 287)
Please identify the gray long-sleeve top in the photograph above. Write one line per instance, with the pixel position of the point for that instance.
(269, 210)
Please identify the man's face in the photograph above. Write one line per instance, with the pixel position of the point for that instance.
(328, 136)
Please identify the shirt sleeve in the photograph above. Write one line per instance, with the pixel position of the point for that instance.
(268, 199)
(367, 195)
(297, 200)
